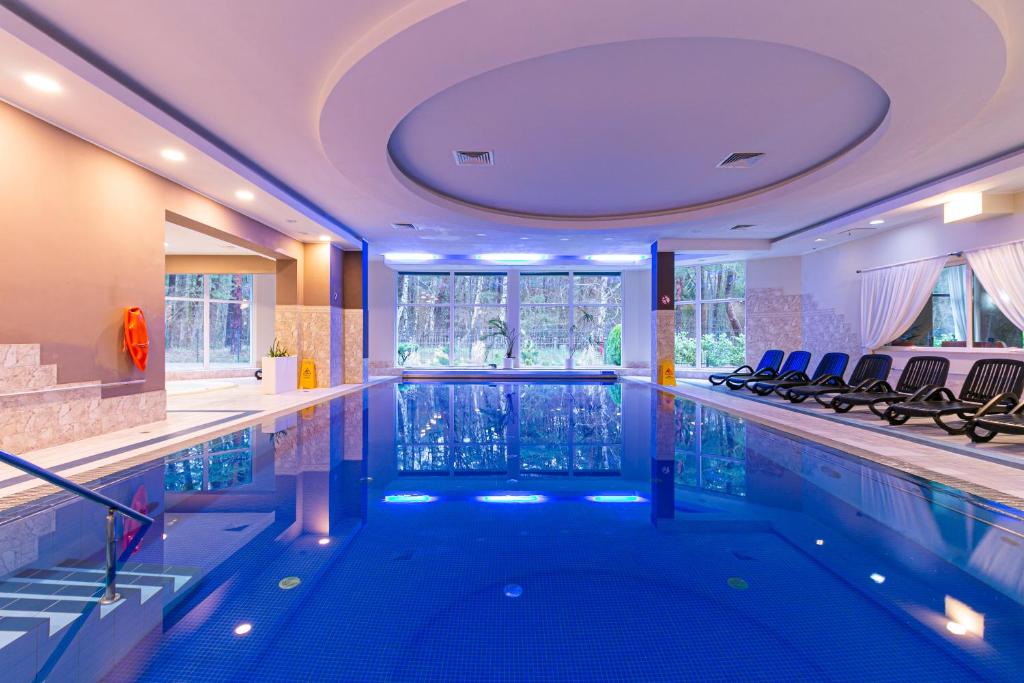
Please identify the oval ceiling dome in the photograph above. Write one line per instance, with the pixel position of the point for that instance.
(638, 127)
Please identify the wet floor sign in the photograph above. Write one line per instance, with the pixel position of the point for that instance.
(307, 374)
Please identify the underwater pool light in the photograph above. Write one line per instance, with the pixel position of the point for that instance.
(616, 499)
(324, 541)
(512, 498)
(956, 628)
(877, 578)
(409, 498)
(243, 629)
(820, 541)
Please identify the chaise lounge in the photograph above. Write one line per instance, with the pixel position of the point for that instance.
(921, 375)
(831, 365)
(796, 362)
(984, 427)
(873, 367)
(767, 368)
(992, 386)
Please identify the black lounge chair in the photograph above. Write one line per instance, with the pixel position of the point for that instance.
(796, 361)
(992, 386)
(984, 427)
(921, 375)
(873, 367)
(831, 365)
(767, 368)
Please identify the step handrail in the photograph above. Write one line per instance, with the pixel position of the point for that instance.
(68, 485)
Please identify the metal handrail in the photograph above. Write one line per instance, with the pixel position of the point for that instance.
(68, 485)
(110, 592)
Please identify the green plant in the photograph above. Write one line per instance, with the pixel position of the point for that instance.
(613, 346)
(501, 330)
(405, 351)
(277, 350)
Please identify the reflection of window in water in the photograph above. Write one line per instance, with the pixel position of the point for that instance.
(710, 448)
(220, 463)
(472, 428)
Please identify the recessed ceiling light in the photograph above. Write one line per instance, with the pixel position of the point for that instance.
(245, 195)
(820, 239)
(325, 238)
(524, 238)
(563, 239)
(172, 154)
(481, 234)
(166, 245)
(608, 239)
(42, 83)
(877, 221)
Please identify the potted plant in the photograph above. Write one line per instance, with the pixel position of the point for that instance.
(500, 330)
(579, 335)
(280, 371)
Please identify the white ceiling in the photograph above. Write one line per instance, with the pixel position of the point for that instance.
(312, 92)
(179, 241)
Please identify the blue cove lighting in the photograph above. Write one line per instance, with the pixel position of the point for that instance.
(409, 498)
(616, 499)
(512, 498)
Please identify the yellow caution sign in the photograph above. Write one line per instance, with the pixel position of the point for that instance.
(666, 373)
(307, 374)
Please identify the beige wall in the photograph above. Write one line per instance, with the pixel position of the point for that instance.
(218, 265)
(81, 232)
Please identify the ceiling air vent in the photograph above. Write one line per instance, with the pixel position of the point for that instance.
(740, 160)
(406, 226)
(742, 226)
(468, 158)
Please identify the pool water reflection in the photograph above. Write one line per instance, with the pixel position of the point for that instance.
(646, 537)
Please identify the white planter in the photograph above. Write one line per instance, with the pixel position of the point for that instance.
(280, 374)
(508, 363)
(568, 364)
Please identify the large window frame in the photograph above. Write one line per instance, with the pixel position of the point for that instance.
(698, 302)
(206, 300)
(512, 307)
(970, 343)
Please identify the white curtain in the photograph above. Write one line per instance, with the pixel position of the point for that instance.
(891, 298)
(954, 282)
(1001, 272)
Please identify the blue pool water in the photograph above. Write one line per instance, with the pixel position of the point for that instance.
(554, 532)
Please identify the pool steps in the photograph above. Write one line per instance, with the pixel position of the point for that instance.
(43, 609)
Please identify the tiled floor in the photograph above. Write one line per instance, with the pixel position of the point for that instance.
(920, 450)
(195, 410)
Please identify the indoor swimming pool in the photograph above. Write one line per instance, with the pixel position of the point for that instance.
(523, 532)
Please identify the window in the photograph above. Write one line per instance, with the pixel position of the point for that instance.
(710, 308)
(944, 320)
(208, 320)
(443, 318)
(555, 308)
(432, 322)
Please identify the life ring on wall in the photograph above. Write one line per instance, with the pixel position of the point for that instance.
(136, 337)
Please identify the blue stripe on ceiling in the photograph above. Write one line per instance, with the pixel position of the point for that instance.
(96, 60)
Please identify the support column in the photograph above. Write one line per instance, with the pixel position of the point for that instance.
(320, 313)
(663, 312)
(354, 309)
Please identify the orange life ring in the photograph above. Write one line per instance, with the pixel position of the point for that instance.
(136, 337)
